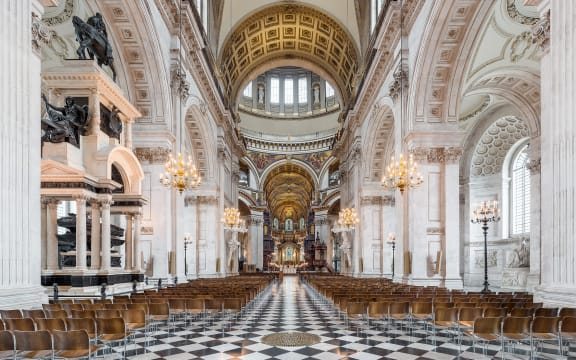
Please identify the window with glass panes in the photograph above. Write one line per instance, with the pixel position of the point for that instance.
(520, 193)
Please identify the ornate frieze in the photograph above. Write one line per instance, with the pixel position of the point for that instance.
(153, 155)
(62, 17)
(541, 32)
(180, 83)
(256, 220)
(41, 34)
(437, 154)
(435, 230)
(370, 200)
(388, 200)
(533, 166)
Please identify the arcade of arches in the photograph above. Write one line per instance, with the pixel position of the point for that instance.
(291, 111)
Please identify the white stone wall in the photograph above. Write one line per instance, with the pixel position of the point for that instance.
(20, 250)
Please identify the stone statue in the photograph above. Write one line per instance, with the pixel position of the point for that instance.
(520, 257)
(346, 249)
(115, 123)
(64, 123)
(232, 246)
(93, 38)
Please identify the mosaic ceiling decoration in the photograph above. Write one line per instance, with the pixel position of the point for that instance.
(289, 31)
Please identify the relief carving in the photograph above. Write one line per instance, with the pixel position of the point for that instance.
(153, 155)
(541, 32)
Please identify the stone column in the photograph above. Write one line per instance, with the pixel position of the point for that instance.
(256, 252)
(128, 243)
(80, 233)
(451, 209)
(136, 242)
(556, 33)
(43, 231)
(128, 134)
(388, 221)
(52, 235)
(94, 126)
(106, 245)
(535, 213)
(96, 240)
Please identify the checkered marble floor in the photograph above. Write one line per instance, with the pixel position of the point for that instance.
(294, 306)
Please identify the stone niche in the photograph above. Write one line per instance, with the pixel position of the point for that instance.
(100, 175)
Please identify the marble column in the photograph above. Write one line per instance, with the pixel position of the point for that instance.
(43, 231)
(451, 213)
(556, 33)
(128, 134)
(95, 236)
(94, 125)
(136, 243)
(22, 33)
(256, 252)
(80, 233)
(535, 213)
(105, 236)
(52, 235)
(128, 265)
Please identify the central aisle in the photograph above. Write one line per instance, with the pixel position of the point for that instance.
(293, 306)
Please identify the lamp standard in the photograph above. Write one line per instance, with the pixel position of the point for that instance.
(485, 214)
(187, 241)
(392, 241)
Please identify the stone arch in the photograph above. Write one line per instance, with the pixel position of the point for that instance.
(254, 170)
(436, 82)
(378, 137)
(126, 163)
(200, 135)
(277, 164)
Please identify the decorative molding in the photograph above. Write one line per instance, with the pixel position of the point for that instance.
(41, 34)
(370, 200)
(520, 45)
(541, 33)
(487, 101)
(533, 166)
(515, 15)
(435, 231)
(256, 219)
(180, 83)
(62, 17)
(152, 155)
(388, 200)
(399, 84)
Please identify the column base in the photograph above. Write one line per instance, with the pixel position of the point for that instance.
(555, 295)
(24, 297)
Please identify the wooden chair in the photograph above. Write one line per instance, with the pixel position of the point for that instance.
(135, 320)
(73, 344)
(51, 307)
(567, 332)
(112, 331)
(546, 312)
(356, 313)
(194, 307)
(377, 312)
(22, 324)
(515, 330)
(10, 314)
(107, 314)
(7, 345)
(86, 324)
(545, 329)
(61, 314)
(444, 319)
(421, 311)
(485, 330)
(34, 344)
(158, 313)
(522, 312)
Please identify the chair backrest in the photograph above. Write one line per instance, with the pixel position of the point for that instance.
(516, 325)
(87, 324)
(134, 316)
(78, 314)
(10, 314)
(357, 308)
(56, 314)
(72, 340)
(22, 324)
(82, 301)
(40, 340)
(488, 325)
(422, 308)
(443, 305)
(7, 344)
(547, 312)
(469, 313)
(494, 312)
(110, 326)
(158, 309)
(177, 304)
(399, 308)
(567, 312)
(139, 306)
(378, 309)
(95, 306)
(446, 314)
(107, 314)
(34, 314)
(213, 304)
(568, 324)
(522, 312)
(545, 325)
(233, 304)
(52, 307)
(50, 324)
(196, 304)
(118, 306)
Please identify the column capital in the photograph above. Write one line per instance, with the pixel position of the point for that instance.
(437, 154)
(52, 203)
(533, 166)
(41, 34)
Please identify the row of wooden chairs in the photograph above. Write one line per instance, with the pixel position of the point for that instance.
(71, 344)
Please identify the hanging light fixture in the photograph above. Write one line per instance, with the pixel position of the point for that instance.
(347, 220)
(179, 174)
(232, 220)
(401, 174)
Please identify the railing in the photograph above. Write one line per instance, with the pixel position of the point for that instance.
(286, 144)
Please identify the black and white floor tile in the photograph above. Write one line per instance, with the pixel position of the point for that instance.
(294, 306)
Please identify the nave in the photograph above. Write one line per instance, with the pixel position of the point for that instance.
(292, 305)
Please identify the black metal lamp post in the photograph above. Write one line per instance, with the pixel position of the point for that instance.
(485, 214)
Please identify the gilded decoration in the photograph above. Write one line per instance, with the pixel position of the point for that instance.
(289, 30)
(315, 160)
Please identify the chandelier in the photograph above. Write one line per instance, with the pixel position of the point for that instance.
(232, 220)
(402, 174)
(180, 175)
(347, 220)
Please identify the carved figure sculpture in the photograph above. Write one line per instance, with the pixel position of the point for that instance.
(93, 38)
(115, 123)
(520, 257)
(64, 123)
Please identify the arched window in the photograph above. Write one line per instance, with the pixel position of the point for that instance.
(520, 192)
